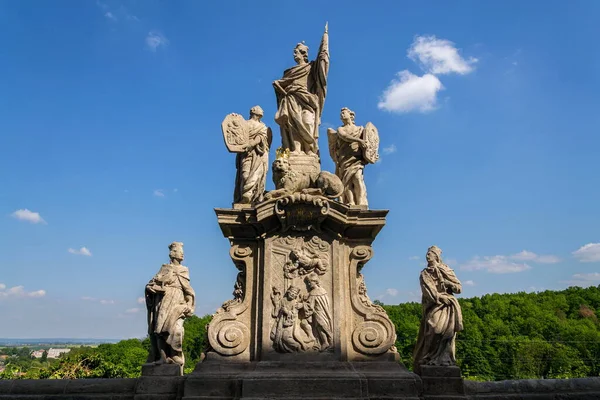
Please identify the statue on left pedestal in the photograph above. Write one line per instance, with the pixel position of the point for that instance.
(169, 300)
(251, 140)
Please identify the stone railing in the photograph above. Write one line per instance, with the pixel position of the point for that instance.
(171, 388)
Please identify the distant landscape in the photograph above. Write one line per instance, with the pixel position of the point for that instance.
(52, 341)
(550, 334)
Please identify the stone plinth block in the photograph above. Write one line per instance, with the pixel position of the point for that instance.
(442, 382)
(301, 380)
(152, 369)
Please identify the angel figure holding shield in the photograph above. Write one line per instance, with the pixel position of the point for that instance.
(352, 147)
(251, 140)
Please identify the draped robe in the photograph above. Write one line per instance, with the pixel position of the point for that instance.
(252, 165)
(318, 307)
(299, 110)
(440, 322)
(166, 305)
(349, 161)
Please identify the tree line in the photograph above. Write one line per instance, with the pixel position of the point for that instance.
(550, 334)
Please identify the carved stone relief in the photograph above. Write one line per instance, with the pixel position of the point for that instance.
(301, 307)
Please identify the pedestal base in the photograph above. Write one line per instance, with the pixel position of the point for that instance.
(302, 380)
(151, 369)
(442, 383)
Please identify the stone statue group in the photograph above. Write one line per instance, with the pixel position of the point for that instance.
(170, 299)
(302, 322)
(300, 95)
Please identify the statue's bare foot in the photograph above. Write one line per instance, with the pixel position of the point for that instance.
(177, 360)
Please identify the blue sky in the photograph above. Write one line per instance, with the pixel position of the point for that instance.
(111, 145)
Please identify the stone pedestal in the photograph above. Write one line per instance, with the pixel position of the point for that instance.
(301, 380)
(283, 243)
(151, 369)
(300, 324)
(442, 382)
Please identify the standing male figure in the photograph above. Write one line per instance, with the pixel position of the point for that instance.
(169, 300)
(317, 309)
(300, 96)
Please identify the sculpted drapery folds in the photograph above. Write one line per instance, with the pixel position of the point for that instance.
(285, 311)
(317, 308)
(169, 300)
(252, 163)
(300, 96)
(442, 316)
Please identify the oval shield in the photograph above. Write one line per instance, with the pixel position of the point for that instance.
(235, 133)
(371, 138)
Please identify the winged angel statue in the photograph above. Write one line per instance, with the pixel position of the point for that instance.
(352, 147)
(251, 140)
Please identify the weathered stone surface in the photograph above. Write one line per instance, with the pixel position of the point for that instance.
(152, 369)
(300, 295)
(301, 380)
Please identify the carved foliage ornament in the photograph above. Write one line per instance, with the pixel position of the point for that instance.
(376, 333)
(228, 335)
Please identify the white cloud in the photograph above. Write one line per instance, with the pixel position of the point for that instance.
(159, 193)
(591, 277)
(584, 280)
(494, 265)
(19, 291)
(389, 149)
(588, 253)
(414, 257)
(110, 16)
(107, 302)
(132, 310)
(84, 251)
(87, 298)
(141, 300)
(469, 283)
(29, 216)
(392, 292)
(411, 93)
(531, 256)
(439, 56)
(155, 39)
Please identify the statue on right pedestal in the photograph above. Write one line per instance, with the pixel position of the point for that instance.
(442, 316)
(352, 147)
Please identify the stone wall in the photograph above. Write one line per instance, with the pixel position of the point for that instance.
(171, 388)
(538, 389)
